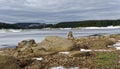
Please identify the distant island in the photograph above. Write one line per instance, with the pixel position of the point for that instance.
(72, 24)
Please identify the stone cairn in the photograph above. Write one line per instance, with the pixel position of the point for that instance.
(70, 35)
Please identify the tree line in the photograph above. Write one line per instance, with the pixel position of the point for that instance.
(89, 23)
(8, 26)
(73, 24)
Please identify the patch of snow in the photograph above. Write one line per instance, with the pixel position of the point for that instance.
(12, 30)
(117, 44)
(117, 48)
(109, 46)
(39, 59)
(64, 53)
(74, 68)
(61, 67)
(84, 50)
(108, 27)
(9, 30)
(65, 28)
(104, 50)
(33, 25)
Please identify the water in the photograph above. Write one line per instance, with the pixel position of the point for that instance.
(10, 38)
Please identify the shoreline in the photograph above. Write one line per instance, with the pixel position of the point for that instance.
(83, 52)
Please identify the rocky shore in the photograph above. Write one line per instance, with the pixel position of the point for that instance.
(92, 52)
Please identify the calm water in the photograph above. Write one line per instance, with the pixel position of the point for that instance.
(10, 38)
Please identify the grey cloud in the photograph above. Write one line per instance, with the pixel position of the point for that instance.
(51, 11)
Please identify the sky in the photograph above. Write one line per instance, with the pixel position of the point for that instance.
(54, 11)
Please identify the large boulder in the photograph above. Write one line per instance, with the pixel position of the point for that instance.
(55, 44)
(50, 45)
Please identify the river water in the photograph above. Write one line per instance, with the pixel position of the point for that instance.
(10, 38)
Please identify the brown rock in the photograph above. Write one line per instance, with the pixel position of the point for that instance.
(26, 43)
(70, 35)
(24, 48)
(8, 62)
(79, 54)
(55, 44)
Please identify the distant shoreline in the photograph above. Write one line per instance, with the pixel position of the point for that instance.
(71, 24)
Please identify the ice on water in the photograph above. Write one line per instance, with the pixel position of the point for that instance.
(10, 37)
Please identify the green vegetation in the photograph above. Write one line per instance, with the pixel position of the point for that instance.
(74, 24)
(8, 26)
(90, 23)
(108, 59)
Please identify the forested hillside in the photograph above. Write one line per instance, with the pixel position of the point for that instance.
(8, 26)
(90, 23)
(73, 24)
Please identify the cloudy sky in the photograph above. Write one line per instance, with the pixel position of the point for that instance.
(53, 11)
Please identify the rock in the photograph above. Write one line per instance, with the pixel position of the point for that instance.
(24, 48)
(55, 44)
(8, 62)
(70, 35)
(22, 52)
(41, 52)
(36, 65)
(26, 43)
(50, 45)
(113, 40)
(9, 51)
(23, 62)
(79, 54)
